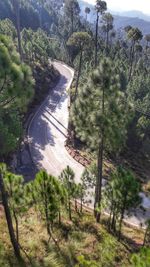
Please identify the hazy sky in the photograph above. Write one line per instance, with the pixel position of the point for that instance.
(126, 5)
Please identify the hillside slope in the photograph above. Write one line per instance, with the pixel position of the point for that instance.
(119, 21)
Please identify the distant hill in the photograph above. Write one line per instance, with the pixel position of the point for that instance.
(120, 22)
(133, 18)
(134, 14)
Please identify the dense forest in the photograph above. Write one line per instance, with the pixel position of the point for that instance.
(47, 220)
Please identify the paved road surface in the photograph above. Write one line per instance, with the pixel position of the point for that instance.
(48, 130)
(47, 134)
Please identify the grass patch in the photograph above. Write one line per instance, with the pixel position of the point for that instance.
(81, 237)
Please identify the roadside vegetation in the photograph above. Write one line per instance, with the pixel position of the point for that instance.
(45, 222)
(53, 228)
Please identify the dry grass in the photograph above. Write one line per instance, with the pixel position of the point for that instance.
(80, 237)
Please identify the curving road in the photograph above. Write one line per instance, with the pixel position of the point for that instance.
(47, 133)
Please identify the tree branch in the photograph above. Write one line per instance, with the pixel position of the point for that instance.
(3, 104)
(2, 88)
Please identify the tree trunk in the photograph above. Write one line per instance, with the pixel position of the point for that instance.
(110, 216)
(107, 41)
(17, 227)
(81, 205)
(79, 72)
(122, 216)
(9, 220)
(75, 205)
(17, 15)
(98, 191)
(59, 217)
(113, 223)
(69, 207)
(72, 22)
(40, 17)
(96, 37)
(131, 62)
(97, 205)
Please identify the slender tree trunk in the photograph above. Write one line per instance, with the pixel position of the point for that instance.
(107, 42)
(72, 22)
(75, 205)
(81, 205)
(59, 217)
(131, 62)
(69, 208)
(86, 17)
(17, 15)
(53, 238)
(40, 17)
(9, 220)
(113, 223)
(79, 72)
(17, 227)
(98, 192)
(99, 182)
(110, 216)
(122, 216)
(96, 39)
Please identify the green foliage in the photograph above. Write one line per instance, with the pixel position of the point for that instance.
(16, 84)
(72, 10)
(85, 263)
(16, 197)
(121, 194)
(48, 194)
(37, 46)
(101, 6)
(79, 39)
(89, 121)
(134, 34)
(7, 28)
(67, 177)
(141, 259)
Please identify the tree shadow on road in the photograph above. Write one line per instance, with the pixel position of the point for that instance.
(37, 133)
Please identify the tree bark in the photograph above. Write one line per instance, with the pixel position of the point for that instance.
(75, 205)
(107, 41)
(72, 22)
(98, 192)
(122, 216)
(17, 227)
(96, 37)
(98, 196)
(9, 220)
(17, 15)
(79, 72)
(69, 207)
(131, 62)
(59, 217)
(81, 205)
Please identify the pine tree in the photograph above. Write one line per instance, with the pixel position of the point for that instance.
(72, 11)
(14, 242)
(99, 118)
(47, 193)
(67, 177)
(81, 41)
(100, 7)
(16, 197)
(122, 194)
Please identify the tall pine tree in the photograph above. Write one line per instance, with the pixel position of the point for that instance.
(99, 118)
